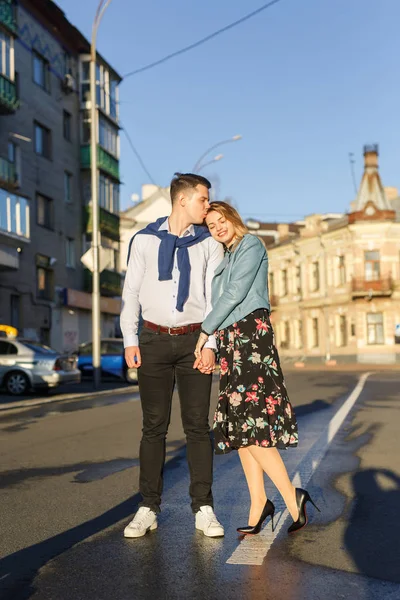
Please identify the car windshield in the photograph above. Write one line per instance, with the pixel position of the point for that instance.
(38, 347)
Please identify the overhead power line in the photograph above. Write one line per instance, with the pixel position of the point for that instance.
(202, 41)
(136, 153)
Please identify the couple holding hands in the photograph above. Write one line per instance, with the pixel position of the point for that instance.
(199, 281)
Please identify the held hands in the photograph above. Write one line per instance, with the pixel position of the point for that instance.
(205, 357)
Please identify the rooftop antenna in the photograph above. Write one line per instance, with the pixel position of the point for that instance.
(353, 175)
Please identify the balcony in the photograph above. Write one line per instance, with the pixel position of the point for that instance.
(8, 15)
(105, 161)
(8, 96)
(110, 283)
(8, 175)
(362, 287)
(108, 222)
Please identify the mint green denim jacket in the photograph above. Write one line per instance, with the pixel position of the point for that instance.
(240, 285)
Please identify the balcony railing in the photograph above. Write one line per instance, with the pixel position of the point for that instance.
(8, 14)
(108, 222)
(8, 175)
(105, 161)
(110, 283)
(8, 95)
(377, 287)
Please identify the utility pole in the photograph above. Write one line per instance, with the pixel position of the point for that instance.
(96, 240)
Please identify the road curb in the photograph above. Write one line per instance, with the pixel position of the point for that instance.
(81, 396)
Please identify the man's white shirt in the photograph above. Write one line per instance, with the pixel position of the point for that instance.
(157, 299)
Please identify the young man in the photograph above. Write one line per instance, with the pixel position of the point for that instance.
(170, 268)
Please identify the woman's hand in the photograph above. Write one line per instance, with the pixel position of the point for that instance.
(203, 338)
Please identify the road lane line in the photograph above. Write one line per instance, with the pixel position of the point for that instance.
(252, 550)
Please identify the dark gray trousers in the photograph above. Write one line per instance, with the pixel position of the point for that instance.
(167, 360)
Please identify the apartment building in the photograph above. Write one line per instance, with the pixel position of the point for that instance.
(45, 184)
(334, 282)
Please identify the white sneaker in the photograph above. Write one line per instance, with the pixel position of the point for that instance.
(144, 520)
(207, 522)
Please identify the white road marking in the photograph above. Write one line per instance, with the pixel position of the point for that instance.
(253, 549)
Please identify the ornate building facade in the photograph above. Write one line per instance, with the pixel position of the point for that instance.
(334, 280)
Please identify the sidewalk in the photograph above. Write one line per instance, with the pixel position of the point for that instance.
(345, 367)
(82, 390)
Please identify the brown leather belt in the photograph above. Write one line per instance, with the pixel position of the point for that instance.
(185, 329)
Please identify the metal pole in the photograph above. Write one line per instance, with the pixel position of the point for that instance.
(96, 240)
(235, 138)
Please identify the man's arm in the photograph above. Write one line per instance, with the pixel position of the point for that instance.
(206, 361)
(130, 311)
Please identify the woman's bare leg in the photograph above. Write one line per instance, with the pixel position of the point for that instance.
(255, 482)
(271, 462)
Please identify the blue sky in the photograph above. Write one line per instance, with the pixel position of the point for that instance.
(305, 83)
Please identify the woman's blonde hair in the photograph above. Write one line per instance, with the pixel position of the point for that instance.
(230, 214)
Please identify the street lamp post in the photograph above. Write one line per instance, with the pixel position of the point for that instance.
(210, 162)
(96, 319)
(197, 166)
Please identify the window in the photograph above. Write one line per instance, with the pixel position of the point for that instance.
(372, 265)
(114, 98)
(108, 194)
(299, 333)
(42, 140)
(85, 127)
(298, 279)
(342, 331)
(285, 335)
(314, 333)
(85, 79)
(315, 279)
(108, 136)
(7, 348)
(14, 158)
(44, 277)
(67, 119)
(45, 212)
(284, 282)
(114, 348)
(353, 329)
(271, 284)
(41, 71)
(341, 270)
(375, 328)
(6, 55)
(14, 214)
(67, 187)
(15, 310)
(70, 252)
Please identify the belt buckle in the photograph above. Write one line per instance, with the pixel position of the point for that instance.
(169, 331)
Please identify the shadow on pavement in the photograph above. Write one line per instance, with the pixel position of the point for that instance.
(18, 570)
(372, 536)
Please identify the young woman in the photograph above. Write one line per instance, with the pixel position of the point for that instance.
(253, 415)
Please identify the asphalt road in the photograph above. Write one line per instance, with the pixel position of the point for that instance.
(69, 484)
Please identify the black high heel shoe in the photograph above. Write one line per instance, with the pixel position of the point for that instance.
(302, 497)
(268, 510)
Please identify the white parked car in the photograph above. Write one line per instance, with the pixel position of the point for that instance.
(26, 365)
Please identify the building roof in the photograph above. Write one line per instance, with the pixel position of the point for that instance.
(47, 12)
(371, 188)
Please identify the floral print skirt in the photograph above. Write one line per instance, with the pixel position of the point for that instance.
(253, 405)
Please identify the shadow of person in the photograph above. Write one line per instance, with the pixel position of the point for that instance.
(373, 533)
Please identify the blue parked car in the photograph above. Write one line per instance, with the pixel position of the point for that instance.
(112, 360)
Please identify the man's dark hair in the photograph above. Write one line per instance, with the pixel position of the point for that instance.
(185, 181)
